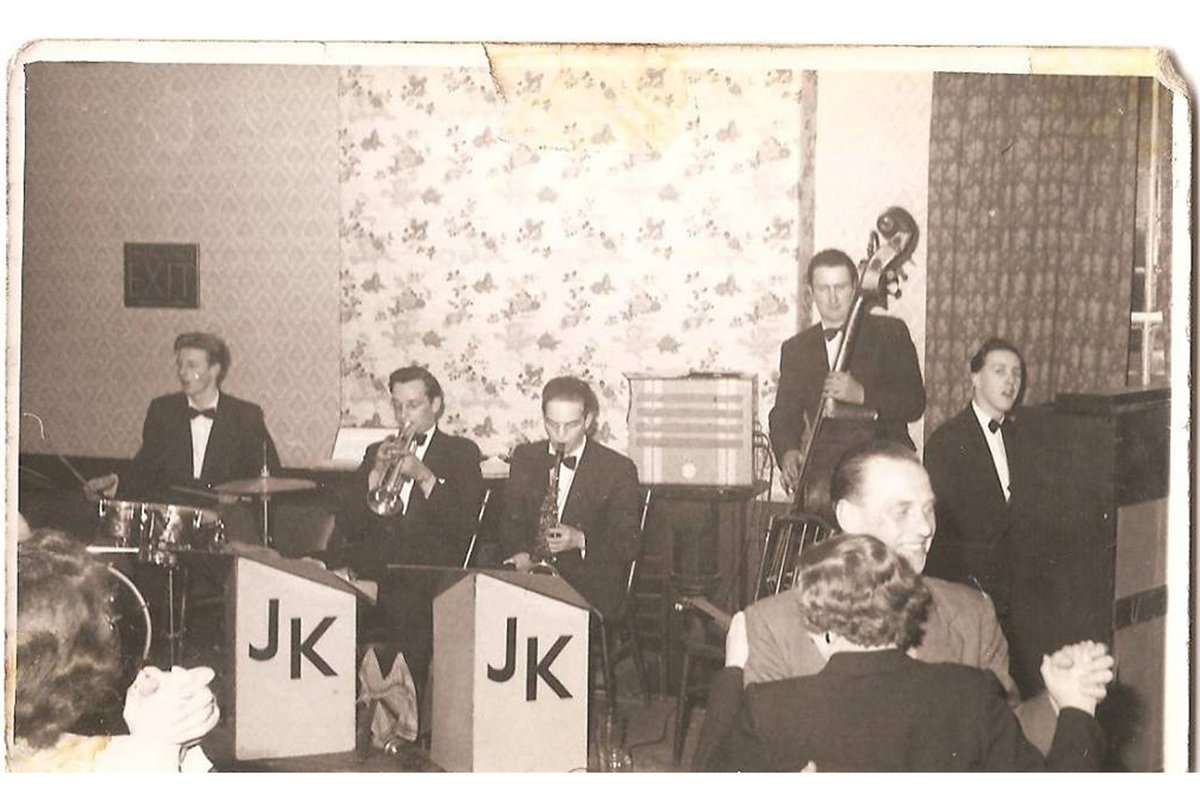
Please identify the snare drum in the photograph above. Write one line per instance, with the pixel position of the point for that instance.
(174, 529)
(124, 526)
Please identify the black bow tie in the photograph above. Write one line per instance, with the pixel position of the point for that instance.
(831, 333)
(570, 461)
(419, 439)
(208, 413)
(993, 425)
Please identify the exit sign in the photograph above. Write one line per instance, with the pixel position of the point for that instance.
(161, 275)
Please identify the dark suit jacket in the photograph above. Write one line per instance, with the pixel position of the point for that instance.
(883, 360)
(603, 503)
(885, 712)
(961, 628)
(234, 452)
(433, 531)
(976, 526)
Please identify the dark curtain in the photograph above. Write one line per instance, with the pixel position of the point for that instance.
(1032, 184)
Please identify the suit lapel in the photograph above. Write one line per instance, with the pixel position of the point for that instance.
(219, 438)
(432, 459)
(980, 447)
(943, 640)
(586, 478)
(178, 459)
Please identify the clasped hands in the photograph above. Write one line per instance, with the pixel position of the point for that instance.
(1077, 676)
(174, 707)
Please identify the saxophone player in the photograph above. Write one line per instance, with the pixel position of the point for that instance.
(595, 531)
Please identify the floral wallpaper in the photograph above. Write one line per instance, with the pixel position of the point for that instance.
(500, 257)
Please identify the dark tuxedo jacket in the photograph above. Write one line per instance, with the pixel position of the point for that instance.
(976, 526)
(234, 451)
(883, 360)
(603, 503)
(885, 712)
(433, 531)
(961, 628)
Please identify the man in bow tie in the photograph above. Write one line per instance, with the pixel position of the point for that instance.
(196, 438)
(978, 465)
(882, 375)
(879, 489)
(597, 509)
(440, 488)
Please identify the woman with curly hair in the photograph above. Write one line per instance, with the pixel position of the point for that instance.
(68, 661)
(875, 708)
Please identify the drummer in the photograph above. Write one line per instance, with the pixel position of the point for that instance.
(194, 439)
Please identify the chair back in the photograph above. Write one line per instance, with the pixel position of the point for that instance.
(787, 538)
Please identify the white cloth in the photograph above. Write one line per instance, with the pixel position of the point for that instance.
(201, 430)
(995, 442)
(407, 487)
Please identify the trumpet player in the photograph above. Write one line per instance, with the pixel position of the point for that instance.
(414, 498)
(594, 533)
(432, 484)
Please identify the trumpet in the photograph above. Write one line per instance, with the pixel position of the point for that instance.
(385, 499)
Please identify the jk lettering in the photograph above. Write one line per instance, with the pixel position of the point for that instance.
(535, 668)
(299, 647)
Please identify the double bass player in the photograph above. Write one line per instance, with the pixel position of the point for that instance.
(882, 374)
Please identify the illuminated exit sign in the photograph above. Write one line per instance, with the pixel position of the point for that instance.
(161, 275)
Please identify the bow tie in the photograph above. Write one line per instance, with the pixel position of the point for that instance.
(994, 425)
(570, 461)
(419, 439)
(831, 333)
(208, 413)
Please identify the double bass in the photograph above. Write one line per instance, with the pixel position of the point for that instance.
(838, 426)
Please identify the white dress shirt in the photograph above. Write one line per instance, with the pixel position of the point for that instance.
(566, 476)
(201, 430)
(995, 442)
(406, 489)
(832, 346)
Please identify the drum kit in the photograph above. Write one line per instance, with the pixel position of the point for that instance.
(167, 536)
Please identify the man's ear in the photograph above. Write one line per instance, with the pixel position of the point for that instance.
(849, 516)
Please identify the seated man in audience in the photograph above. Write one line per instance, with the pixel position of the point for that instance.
(436, 487)
(879, 489)
(68, 662)
(196, 438)
(874, 708)
(592, 530)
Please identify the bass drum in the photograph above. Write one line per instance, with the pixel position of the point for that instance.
(130, 618)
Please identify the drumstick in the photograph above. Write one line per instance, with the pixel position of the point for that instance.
(42, 431)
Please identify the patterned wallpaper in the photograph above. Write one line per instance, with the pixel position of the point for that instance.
(241, 159)
(590, 223)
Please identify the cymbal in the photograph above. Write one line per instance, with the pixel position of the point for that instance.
(263, 486)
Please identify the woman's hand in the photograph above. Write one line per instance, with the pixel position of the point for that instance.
(1077, 676)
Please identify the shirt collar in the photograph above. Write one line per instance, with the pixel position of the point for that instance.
(577, 454)
(984, 418)
(213, 404)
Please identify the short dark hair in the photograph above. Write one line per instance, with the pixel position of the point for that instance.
(858, 587)
(411, 373)
(831, 258)
(68, 654)
(572, 389)
(993, 344)
(213, 347)
(846, 483)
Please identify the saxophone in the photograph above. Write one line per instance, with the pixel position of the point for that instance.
(543, 559)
